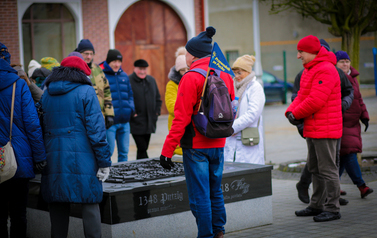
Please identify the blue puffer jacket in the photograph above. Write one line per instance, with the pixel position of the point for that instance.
(27, 140)
(121, 93)
(75, 139)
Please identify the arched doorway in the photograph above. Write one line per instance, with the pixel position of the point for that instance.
(153, 31)
(49, 30)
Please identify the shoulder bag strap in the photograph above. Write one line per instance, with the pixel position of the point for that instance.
(247, 103)
(11, 112)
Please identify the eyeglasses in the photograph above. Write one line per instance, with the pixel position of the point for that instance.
(88, 54)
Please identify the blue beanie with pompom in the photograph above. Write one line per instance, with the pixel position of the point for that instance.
(201, 45)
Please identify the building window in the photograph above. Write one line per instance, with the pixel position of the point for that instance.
(48, 31)
(231, 56)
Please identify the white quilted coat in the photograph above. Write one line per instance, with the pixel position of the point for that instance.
(250, 110)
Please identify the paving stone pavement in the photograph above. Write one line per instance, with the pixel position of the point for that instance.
(283, 144)
(359, 216)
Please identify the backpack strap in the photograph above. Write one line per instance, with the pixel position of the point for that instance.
(204, 73)
(11, 112)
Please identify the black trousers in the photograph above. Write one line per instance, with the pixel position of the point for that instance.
(142, 144)
(59, 217)
(13, 200)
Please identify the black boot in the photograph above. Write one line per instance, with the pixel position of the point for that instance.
(303, 193)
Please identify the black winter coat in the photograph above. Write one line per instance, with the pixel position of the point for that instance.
(147, 105)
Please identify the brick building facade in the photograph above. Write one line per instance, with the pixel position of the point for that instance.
(95, 24)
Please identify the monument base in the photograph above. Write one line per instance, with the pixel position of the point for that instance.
(160, 208)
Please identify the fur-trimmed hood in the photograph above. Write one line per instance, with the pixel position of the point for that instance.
(64, 79)
(174, 75)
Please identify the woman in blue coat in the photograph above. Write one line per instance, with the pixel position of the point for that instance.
(27, 142)
(76, 147)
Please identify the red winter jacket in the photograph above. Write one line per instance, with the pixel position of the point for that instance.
(319, 100)
(351, 139)
(182, 130)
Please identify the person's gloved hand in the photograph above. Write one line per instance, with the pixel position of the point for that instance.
(41, 165)
(166, 162)
(109, 121)
(292, 119)
(103, 173)
(366, 123)
(300, 128)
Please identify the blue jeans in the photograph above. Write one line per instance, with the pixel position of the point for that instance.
(349, 162)
(203, 172)
(120, 132)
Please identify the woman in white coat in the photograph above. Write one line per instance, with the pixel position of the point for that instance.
(251, 104)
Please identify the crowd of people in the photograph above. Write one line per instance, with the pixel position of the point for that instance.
(69, 115)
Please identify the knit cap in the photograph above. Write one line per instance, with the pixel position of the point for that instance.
(141, 63)
(4, 54)
(324, 44)
(113, 55)
(75, 53)
(180, 51)
(341, 55)
(244, 62)
(33, 65)
(180, 63)
(49, 63)
(309, 44)
(201, 45)
(76, 62)
(84, 45)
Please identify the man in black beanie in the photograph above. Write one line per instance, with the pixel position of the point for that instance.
(123, 103)
(147, 107)
(99, 81)
(203, 158)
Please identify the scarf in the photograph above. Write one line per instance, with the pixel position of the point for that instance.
(240, 87)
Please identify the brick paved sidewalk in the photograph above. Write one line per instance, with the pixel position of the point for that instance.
(359, 217)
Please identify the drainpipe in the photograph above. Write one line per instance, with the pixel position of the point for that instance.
(258, 64)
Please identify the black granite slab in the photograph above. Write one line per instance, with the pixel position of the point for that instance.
(124, 202)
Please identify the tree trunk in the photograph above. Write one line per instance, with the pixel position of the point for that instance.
(351, 45)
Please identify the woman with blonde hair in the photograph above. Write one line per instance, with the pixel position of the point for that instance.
(249, 113)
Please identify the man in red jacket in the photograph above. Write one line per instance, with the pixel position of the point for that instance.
(203, 158)
(318, 104)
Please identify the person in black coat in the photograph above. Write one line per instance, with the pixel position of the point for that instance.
(147, 107)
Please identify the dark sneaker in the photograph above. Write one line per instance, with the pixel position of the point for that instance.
(365, 191)
(308, 212)
(303, 193)
(327, 216)
(343, 201)
(343, 192)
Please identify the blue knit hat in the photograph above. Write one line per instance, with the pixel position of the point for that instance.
(201, 45)
(84, 45)
(75, 53)
(324, 44)
(4, 54)
(341, 55)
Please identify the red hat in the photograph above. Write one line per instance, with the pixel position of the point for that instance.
(309, 44)
(76, 62)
